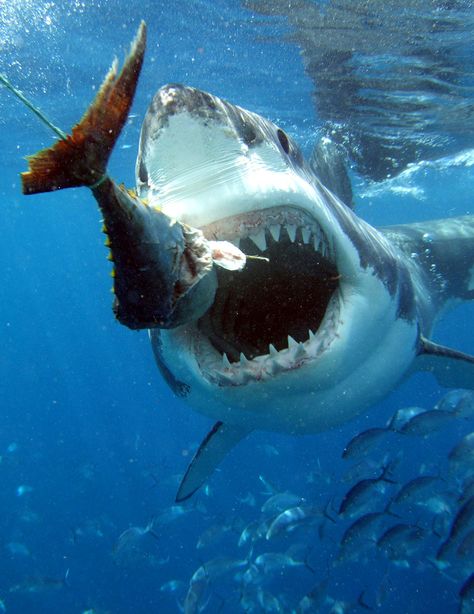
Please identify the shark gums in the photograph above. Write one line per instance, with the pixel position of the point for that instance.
(270, 304)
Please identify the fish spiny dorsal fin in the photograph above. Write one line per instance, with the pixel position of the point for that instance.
(81, 158)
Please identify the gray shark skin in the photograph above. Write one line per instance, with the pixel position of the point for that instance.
(339, 314)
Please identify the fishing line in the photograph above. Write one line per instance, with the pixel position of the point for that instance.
(31, 106)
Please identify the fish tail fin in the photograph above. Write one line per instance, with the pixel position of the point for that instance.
(309, 567)
(388, 469)
(388, 510)
(329, 507)
(80, 159)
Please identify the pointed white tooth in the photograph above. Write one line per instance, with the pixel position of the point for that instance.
(291, 230)
(317, 244)
(306, 233)
(225, 361)
(275, 231)
(272, 350)
(292, 344)
(311, 335)
(259, 240)
(244, 361)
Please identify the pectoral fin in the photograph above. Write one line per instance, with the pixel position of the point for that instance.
(220, 440)
(451, 368)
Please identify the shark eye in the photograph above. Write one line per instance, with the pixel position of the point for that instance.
(285, 144)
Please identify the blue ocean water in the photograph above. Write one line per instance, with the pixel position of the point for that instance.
(92, 442)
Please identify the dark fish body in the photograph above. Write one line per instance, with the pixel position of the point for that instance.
(362, 442)
(363, 494)
(361, 535)
(163, 270)
(402, 416)
(467, 487)
(461, 457)
(466, 594)
(463, 522)
(464, 518)
(465, 549)
(157, 261)
(420, 491)
(401, 541)
(426, 422)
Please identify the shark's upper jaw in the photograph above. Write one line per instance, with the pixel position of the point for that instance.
(239, 178)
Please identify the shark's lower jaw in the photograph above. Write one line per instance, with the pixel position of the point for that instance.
(276, 315)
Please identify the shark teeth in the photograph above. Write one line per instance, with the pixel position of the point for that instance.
(264, 226)
(244, 361)
(272, 351)
(305, 234)
(263, 229)
(275, 230)
(262, 367)
(259, 240)
(292, 344)
(291, 230)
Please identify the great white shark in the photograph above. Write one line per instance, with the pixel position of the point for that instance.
(270, 304)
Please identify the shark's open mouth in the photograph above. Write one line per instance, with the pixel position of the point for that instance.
(270, 316)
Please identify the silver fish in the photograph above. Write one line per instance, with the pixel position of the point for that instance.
(280, 502)
(293, 518)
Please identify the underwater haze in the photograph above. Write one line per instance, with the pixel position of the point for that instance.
(376, 515)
